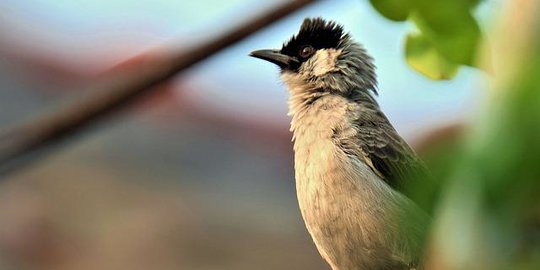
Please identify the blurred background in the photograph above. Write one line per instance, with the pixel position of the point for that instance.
(198, 175)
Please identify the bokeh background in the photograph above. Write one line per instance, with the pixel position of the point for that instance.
(198, 175)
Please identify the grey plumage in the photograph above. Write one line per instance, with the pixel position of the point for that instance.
(350, 163)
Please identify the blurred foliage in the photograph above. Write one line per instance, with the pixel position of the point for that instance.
(486, 202)
(448, 36)
(426, 59)
(488, 214)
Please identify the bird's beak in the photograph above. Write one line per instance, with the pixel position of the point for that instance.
(275, 57)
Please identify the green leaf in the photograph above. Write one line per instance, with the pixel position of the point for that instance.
(451, 28)
(474, 3)
(422, 55)
(450, 35)
(395, 10)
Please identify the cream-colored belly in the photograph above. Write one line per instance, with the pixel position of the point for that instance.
(347, 208)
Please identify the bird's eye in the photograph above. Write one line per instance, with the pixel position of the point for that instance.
(306, 51)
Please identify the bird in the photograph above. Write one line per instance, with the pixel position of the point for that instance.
(351, 165)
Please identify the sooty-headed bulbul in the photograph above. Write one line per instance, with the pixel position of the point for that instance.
(350, 163)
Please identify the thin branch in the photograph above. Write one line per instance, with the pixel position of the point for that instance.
(21, 143)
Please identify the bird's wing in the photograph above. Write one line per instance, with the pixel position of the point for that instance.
(383, 149)
(386, 152)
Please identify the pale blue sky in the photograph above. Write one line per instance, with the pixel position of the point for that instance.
(231, 82)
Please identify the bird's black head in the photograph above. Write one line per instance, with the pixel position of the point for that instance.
(321, 55)
(314, 34)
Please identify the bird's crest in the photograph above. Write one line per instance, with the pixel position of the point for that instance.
(316, 32)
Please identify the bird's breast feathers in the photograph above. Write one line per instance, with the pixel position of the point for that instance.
(344, 202)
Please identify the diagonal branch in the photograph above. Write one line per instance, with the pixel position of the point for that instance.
(21, 143)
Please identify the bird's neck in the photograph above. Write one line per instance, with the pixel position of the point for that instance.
(316, 115)
(317, 110)
(304, 109)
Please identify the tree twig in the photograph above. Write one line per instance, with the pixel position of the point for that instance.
(21, 143)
